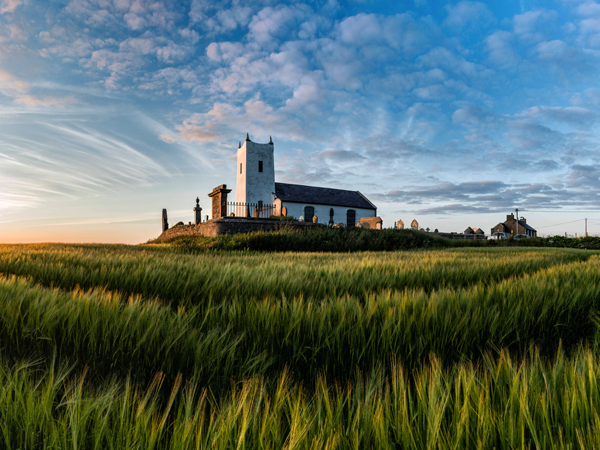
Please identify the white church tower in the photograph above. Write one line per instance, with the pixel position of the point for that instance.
(255, 173)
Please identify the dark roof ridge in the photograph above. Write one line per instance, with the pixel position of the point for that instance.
(299, 193)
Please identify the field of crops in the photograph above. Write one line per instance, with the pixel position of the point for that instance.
(153, 347)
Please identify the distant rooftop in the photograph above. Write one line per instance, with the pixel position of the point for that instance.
(298, 193)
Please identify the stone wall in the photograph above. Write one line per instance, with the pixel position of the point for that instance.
(228, 225)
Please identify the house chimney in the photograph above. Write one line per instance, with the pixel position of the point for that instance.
(523, 219)
(510, 217)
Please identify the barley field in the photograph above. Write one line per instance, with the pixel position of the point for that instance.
(152, 347)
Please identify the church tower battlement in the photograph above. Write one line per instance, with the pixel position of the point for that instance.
(255, 172)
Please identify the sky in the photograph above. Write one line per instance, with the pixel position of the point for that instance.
(451, 113)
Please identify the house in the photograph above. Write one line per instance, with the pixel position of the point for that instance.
(510, 226)
(477, 231)
(256, 185)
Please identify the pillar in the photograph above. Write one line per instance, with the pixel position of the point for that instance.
(219, 201)
(165, 223)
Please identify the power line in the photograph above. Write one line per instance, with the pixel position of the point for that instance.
(558, 211)
(564, 223)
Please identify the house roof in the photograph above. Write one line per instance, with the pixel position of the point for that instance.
(298, 193)
(527, 227)
(521, 224)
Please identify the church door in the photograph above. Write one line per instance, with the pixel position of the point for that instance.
(309, 212)
(351, 218)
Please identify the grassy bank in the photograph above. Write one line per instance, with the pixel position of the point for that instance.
(320, 239)
(327, 239)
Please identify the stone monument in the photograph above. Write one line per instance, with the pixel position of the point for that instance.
(197, 212)
(219, 201)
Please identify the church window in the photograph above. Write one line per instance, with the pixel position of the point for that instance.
(260, 166)
(240, 168)
(309, 213)
(260, 204)
(351, 218)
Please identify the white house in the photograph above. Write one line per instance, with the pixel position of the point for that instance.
(256, 185)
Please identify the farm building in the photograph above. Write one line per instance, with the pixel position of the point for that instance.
(256, 185)
(510, 226)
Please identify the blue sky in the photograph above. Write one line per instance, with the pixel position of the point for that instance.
(453, 113)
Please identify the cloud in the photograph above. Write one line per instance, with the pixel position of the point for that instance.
(34, 102)
(18, 90)
(135, 14)
(501, 49)
(12, 86)
(168, 138)
(533, 26)
(571, 114)
(339, 155)
(197, 128)
(170, 80)
(270, 24)
(468, 17)
(584, 176)
(474, 115)
(8, 6)
(190, 35)
(589, 9)
(220, 17)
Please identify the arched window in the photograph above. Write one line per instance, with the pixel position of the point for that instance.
(351, 218)
(309, 213)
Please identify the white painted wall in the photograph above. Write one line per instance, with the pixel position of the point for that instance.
(253, 186)
(322, 211)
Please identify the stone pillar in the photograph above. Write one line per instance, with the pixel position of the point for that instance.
(165, 223)
(219, 201)
(197, 212)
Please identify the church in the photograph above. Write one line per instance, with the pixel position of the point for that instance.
(256, 185)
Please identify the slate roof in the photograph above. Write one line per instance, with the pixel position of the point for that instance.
(521, 224)
(527, 227)
(298, 193)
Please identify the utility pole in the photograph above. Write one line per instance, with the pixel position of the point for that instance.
(517, 222)
(586, 235)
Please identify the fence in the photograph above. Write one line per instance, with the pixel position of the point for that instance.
(257, 210)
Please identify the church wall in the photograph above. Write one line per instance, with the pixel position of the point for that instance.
(322, 212)
(253, 186)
